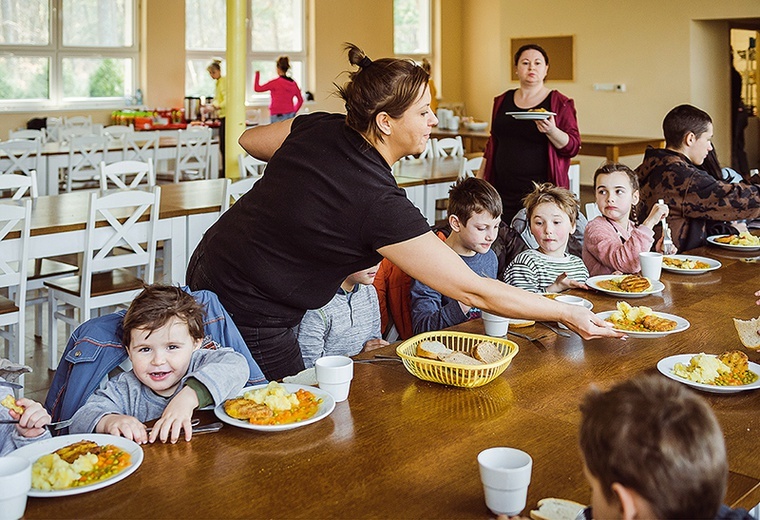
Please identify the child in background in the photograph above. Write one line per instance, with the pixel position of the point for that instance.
(31, 417)
(612, 242)
(474, 215)
(652, 448)
(347, 325)
(170, 377)
(552, 213)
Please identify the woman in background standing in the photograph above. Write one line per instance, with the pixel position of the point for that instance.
(521, 152)
(284, 89)
(220, 99)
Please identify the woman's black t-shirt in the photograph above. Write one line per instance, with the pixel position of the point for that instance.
(327, 202)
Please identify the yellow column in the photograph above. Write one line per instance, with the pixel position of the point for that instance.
(236, 66)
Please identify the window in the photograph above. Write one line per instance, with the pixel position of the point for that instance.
(87, 55)
(411, 27)
(277, 29)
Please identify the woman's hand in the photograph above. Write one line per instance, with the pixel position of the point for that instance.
(177, 416)
(123, 425)
(557, 137)
(587, 324)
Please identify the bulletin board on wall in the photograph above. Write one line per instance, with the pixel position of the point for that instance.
(561, 51)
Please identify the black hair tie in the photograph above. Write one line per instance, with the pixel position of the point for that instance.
(365, 62)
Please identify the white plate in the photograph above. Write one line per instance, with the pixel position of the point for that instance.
(665, 366)
(583, 301)
(681, 325)
(325, 408)
(532, 116)
(729, 246)
(36, 450)
(714, 264)
(656, 286)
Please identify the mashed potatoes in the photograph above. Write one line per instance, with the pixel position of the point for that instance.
(52, 472)
(703, 368)
(274, 396)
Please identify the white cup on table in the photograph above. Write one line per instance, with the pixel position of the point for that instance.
(569, 299)
(15, 483)
(505, 473)
(651, 264)
(496, 326)
(334, 375)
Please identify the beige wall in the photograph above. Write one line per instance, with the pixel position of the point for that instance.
(667, 53)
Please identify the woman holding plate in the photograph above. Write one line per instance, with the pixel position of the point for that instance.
(329, 206)
(520, 152)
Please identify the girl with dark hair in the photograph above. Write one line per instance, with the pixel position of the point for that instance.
(329, 206)
(284, 91)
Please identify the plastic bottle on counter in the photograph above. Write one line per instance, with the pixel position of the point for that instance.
(138, 97)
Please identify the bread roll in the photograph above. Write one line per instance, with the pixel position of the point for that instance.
(556, 509)
(749, 332)
(433, 350)
(486, 352)
(460, 358)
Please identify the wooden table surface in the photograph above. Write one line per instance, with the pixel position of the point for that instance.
(405, 448)
(613, 146)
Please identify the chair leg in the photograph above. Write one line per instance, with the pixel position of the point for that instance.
(52, 332)
(38, 320)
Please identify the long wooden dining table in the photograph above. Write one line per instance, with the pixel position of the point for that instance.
(400, 447)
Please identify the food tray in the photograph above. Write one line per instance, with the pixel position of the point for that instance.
(467, 376)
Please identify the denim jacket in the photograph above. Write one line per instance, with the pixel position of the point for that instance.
(95, 348)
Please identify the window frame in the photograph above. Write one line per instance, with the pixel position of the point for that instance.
(417, 57)
(56, 53)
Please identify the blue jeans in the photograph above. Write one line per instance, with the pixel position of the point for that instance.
(281, 117)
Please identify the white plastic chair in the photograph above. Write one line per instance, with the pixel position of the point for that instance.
(141, 173)
(193, 154)
(13, 273)
(141, 146)
(592, 211)
(29, 134)
(85, 154)
(19, 185)
(235, 190)
(70, 122)
(449, 147)
(427, 153)
(105, 279)
(21, 156)
(117, 133)
(250, 166)
(471, 167)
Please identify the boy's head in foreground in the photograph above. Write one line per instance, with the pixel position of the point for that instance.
(162, 329)
(552, 213)
(474, 215)
(652, 449)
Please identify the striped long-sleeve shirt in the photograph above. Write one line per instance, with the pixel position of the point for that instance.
(534, 271)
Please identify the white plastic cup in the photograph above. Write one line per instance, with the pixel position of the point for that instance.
(651, 264)
(15, 483)
(334, 375)
(569, 299)
(505, 474)
(496, 326)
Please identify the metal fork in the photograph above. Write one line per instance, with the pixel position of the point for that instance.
(667, 240)
(535, 341)
(555, 330)
(53, 426)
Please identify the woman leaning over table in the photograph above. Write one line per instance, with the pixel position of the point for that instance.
(284, 90)
(521, 152)
(330, 206)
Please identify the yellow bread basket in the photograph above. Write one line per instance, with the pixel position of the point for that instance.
(467, 376)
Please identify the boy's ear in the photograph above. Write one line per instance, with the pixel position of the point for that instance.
(197, 343)
(383, 122)
(455, 224)
(628, 500)
(690, 138)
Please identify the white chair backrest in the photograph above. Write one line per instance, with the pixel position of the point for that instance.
(85, 154)
(116, 133)
(20, 185)
(53, 130)
(592, 211)
(471, 166)
(13, 262)
(20, 155)
(143, 175)
(29, 134)
(67, 134)
(70, 122)
(122, 210)
(235, 190)
(193, 153)
(141, 146)
(428, 152)
(250, 166)
(449, 147)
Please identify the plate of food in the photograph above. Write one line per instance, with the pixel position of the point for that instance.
(79, 463)
(276, 407)
(643, 322)
(532, 114)
(744, 241)
(628, 286)
(728, 373)
(689, 264)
